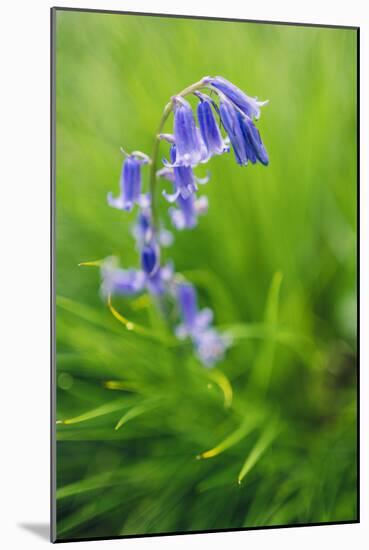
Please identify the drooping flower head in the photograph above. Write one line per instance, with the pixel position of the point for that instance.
(190, 145)
(248, 105)
(130, 183)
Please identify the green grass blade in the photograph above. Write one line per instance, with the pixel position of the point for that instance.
(107, 408)
(89, 314)
(235, 437)
(83, 311)
(224, 384)
(89, 484)
(133, 413)
(258, 450)
(264, 363)
(272, 305)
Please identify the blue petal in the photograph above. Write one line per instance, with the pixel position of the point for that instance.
(130, 184)
(188, 212)
(171, 197)
(233, 128)
(131, 179)
(187, 304)
(120, 281)
(252, 136)
(184, 180)
(119, 202)
(150, 258)
(209, 128)
(249, 105)
(185, 216)
(166, 172)
(160, 281)
(142, 229)
(188, 146)
(210, 347)
(177, 219)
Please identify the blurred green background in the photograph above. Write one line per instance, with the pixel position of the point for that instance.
(275, 258)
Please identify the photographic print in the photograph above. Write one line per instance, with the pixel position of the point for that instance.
(205, 213)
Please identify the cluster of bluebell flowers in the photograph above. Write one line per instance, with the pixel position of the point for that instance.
(224, 117)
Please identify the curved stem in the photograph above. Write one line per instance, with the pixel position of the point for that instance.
(154, 156)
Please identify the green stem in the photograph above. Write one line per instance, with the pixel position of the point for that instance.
(154, 156)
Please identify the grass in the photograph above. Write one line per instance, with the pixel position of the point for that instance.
(148, 441)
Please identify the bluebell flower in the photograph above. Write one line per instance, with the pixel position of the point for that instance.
(142, 230)
(185, 216)
(249, 105)
(209, 344)
(243, 134)
(130, 183)
(120, 281)
(231, 123)
(189, 146)
(160, 282)
(209, 128)
(253, 144)
(203, 151)
(130, 282)
(183, 178)
(193, 320)
(150, 258)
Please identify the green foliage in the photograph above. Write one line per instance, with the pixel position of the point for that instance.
(148, 441)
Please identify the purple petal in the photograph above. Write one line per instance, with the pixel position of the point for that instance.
(210, 347)
(187, 303)
(150, 258)
(171, 197)
(203, 319)
(188, 146)
(119, 202)
(120, 281)
(232, 125)
(249, 105)
(209, 128)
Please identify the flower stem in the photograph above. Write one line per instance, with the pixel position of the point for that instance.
(154, 156)
(155, 151)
